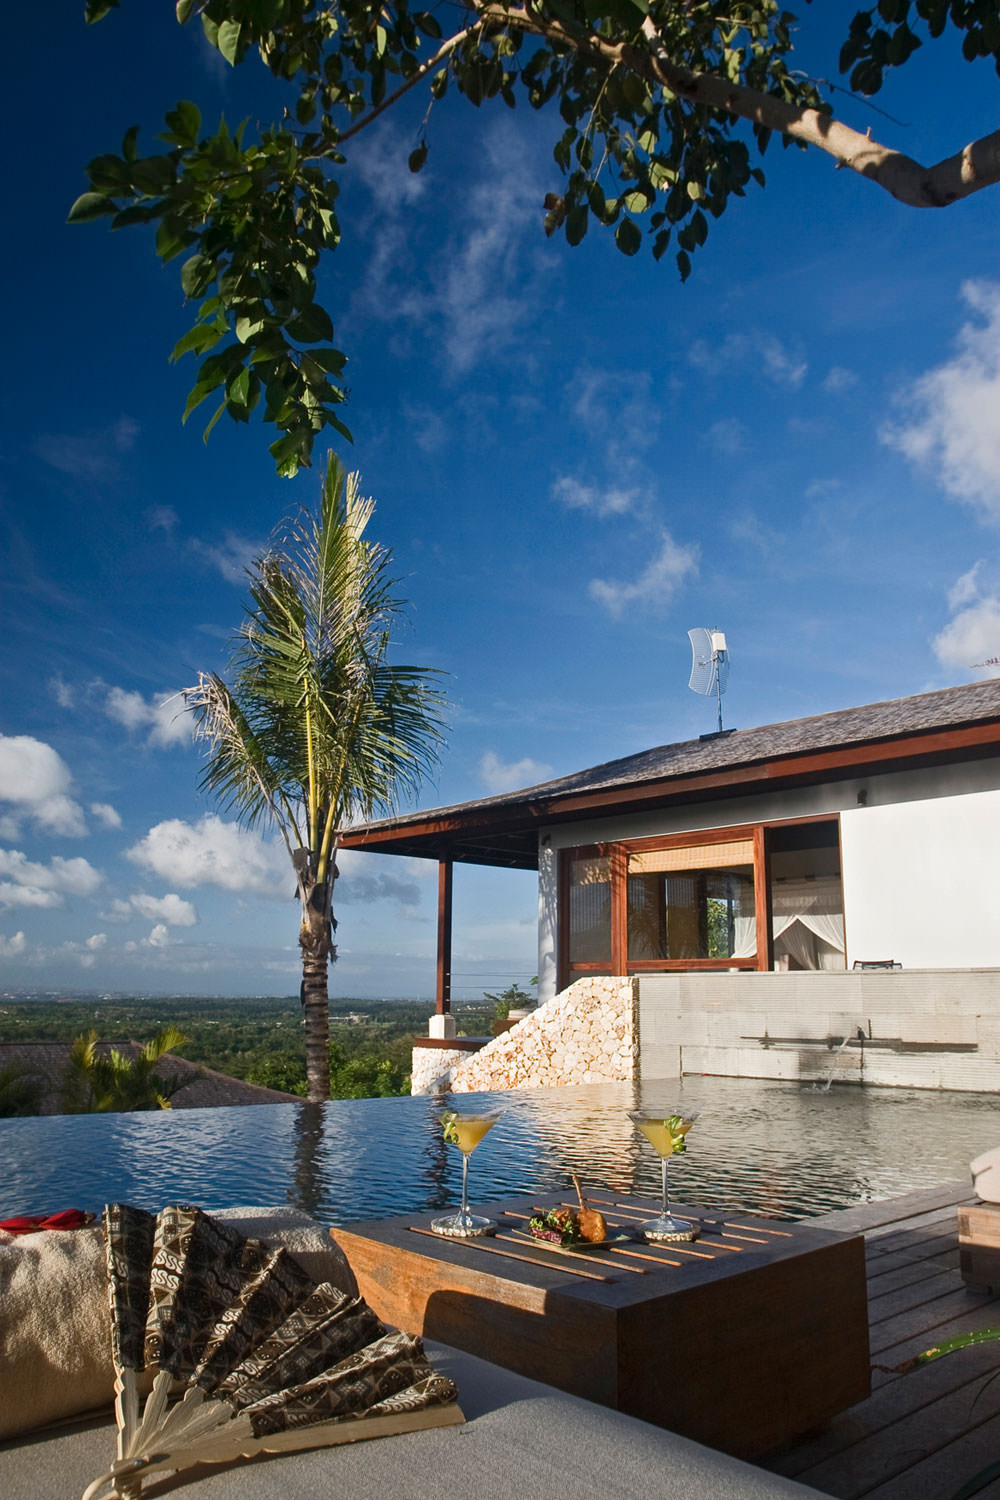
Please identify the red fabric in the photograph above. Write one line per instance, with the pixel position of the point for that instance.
(68, 1218)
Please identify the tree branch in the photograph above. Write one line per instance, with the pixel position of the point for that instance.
(443, 51)
(975, 167)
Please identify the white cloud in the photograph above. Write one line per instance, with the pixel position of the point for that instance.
(381, 160)
(163, 715)
(30, 883)
(13, 894)
(762, 350)
(951, 414)
(499, 776)
(12, 946)
(366, 878)
(232, 556)
(94, 455)
(481, 288)
(839, 380)
(105, 814)
(162, 518)
(606, 500)
(655, 585)
(170, 908)
(212, 852)
(729, 435)
(970, 642)
(36, 779)
(96, 942)
(159, 937)
(62, 692)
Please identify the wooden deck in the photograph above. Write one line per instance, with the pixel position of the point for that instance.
(918, 1436)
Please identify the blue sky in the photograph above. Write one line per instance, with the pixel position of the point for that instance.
(575, 459)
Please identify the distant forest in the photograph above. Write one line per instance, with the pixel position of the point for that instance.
(255, 1038)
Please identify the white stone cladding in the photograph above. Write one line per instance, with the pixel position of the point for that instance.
(587, 1034)
(431, 1067)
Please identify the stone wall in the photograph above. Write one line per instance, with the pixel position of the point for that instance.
(905, 1028)
(431, 1068)
(587, 1034)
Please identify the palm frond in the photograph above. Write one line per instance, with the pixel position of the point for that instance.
(312, 726)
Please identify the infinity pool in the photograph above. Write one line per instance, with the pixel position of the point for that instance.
(761, 1146)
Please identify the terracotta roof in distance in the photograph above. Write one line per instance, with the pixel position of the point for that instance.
(207, 1089)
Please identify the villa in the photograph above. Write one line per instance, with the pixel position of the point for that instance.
(807, 899)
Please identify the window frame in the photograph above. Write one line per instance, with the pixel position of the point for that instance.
(618, 851)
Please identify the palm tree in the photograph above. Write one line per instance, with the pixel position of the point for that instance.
(314, 729)
(100, 1082)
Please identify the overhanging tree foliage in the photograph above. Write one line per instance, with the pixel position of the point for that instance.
(664, 108)
(314, 728)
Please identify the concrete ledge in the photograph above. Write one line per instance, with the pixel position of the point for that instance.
(522, 1441)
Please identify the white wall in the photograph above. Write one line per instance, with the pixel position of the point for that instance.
(958, 805)
(922, 882)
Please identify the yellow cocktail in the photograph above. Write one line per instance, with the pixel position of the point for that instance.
(667, 1134)
(465, 1131)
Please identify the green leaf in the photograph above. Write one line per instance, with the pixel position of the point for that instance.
(183, 9)
(330, 360)
(418, 157)
(628, 237)
(184, 122)
(96, 10)
(215, 417)
(684, 264)
(196, 274)
(199, 339)
(248, 327)
(228, 41)
(576, 223)
(287, 453)
(238, 388)
(312, 324)
(90, 206)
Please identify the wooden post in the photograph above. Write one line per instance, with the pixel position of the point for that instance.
(443, 995)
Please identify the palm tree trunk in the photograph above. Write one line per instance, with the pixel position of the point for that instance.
(316, 944)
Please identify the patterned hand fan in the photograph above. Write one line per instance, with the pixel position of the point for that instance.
(248, 1354)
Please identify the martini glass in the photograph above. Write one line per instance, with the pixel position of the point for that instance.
(667, 1134)
(465, 1131)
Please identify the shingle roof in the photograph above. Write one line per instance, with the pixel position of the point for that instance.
(204, 1090)
(892, 721)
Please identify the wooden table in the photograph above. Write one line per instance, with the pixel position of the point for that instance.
(751, 1335)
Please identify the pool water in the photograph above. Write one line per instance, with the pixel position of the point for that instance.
(765, 1147)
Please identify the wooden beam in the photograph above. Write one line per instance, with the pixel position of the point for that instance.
(762, 898)
(443, 992)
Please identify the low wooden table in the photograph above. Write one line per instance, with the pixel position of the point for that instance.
(744, 1339)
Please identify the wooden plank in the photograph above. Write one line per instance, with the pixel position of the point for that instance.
(919, 1434)
(923, 1394)
(912, 1272)
(915, 1294)
(868, 1218)
(943, 1471)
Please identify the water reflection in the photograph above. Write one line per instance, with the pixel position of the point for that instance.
(760, 1146)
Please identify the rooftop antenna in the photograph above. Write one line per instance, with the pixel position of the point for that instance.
(709, 663)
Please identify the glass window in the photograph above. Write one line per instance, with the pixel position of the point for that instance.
(692, 903)
(590, 910)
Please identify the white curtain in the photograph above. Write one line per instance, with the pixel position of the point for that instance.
(808, 921)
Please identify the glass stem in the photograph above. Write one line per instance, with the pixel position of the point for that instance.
(663, 1165)
(465, 1178)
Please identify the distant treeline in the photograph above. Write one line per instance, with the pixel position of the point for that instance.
(256, 1038)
